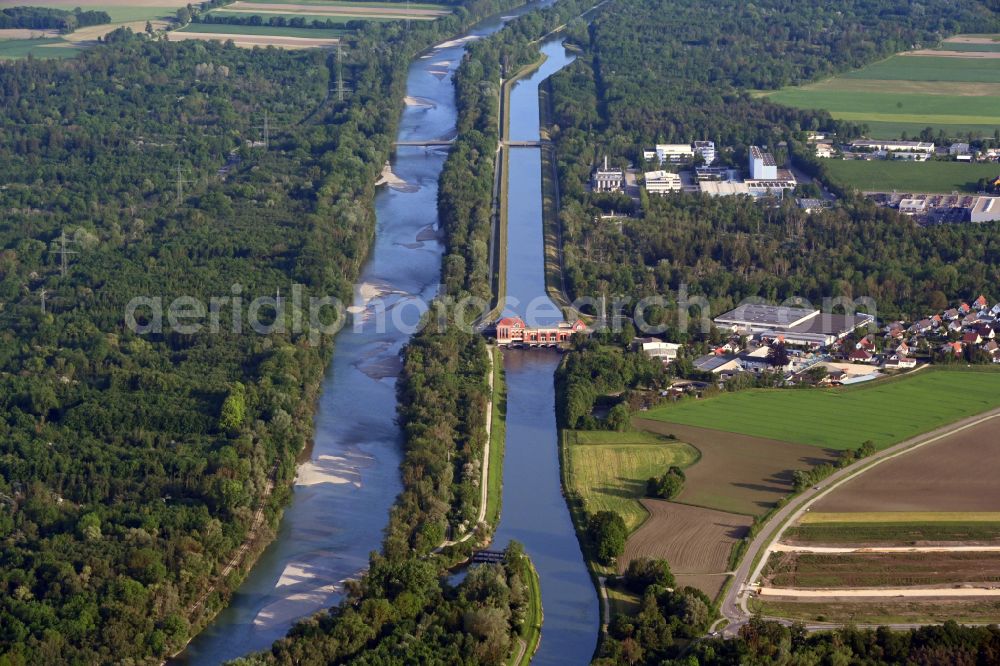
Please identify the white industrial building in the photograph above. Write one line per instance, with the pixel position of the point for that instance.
(985, 209)
(795, 326)
(607, 179)
(913, 206)
(662, 182)
(908, 146)
(762, 165)
(706, 149)
(673, 152)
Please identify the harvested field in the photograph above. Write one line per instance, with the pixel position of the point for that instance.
(710, 584)
(909, 533)
(877, 570)
(250, 41)
(738, 473)
(884, 611)
(26, 33)
(953, 54)
(956, 473)
(338, 9)
(973, 39)
(609, 470)
(692, 539)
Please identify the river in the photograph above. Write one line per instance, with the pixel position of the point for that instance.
(534, 510)
(344, 492)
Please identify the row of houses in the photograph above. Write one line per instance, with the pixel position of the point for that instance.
(969, 326)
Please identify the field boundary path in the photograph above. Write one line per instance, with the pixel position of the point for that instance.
(734, 606)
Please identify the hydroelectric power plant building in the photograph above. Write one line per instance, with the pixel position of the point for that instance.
(513, 332)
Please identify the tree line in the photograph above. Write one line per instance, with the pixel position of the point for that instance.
(50, 18)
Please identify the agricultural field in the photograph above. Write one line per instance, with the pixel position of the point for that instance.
(336, 11)
(918, 177)
(318, 34)
(883, 611)
(876, 570)
(955, 474)
(951, 88)
(844, 418)
(695, 541)
(48, 44)
(894, 529)
(738, 473)
(609, 469)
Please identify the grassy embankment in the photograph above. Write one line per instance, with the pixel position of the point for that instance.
(498, 438)
(555, 284)
(531, 630)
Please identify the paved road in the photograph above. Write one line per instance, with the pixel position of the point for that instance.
(734, 606)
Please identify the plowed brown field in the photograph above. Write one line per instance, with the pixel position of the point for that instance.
(692, 539)
(738, 473)
(958, 473)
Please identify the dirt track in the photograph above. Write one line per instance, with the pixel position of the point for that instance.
(249, 41)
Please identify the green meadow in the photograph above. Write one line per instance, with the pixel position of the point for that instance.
(885, 412)
(902, 176)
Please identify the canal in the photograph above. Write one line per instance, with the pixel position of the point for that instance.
(534, 509)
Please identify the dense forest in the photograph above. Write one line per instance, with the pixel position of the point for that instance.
(132, 463)
(680, 71)
(402, 613)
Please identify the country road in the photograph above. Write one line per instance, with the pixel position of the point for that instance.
(734, 606)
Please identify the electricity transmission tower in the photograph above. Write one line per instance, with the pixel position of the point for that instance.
(267, 127)
(341, 88)
(64, 252)
(181, 182)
